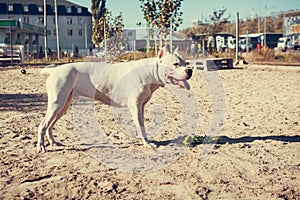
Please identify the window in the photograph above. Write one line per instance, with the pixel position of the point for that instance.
(69, 20)
(10, 8)
(80, 21)
(79, 10)
(69, 9)
(69, 32)
(25, 8)
(80, 32)
(40, 8)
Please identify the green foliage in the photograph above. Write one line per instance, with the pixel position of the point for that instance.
(159, 14)
(103, 18)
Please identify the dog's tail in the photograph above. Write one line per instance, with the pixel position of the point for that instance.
(48, 69)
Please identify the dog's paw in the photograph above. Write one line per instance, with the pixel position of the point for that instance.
(41, 149)
(149, 145)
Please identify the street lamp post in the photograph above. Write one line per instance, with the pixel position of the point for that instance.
(265, 32)
(171, 33)
(265, 26)
(56, 27)
(148, 37)
(11, 44)
(45, 29)
(105, 44)
(258, 19)
(237, 38)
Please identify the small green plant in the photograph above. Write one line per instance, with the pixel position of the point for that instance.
(193, 140)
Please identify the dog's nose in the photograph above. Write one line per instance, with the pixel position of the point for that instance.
(189, 73)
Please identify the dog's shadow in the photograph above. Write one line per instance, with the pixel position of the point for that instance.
(179, 141)
(224, 140)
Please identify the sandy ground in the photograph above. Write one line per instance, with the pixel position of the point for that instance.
(256, 155)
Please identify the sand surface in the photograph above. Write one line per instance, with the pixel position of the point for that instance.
(255, 154)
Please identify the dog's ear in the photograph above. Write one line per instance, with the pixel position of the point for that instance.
(162, 52)
(176, 50)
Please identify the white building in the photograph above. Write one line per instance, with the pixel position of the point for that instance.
(74, 22)
(137, 40)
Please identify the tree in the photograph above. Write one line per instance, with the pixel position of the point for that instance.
(99, 13)
(116, 40)
(103, 18)
(98, 9)
(159, 14)
(220, 24)
(218, 20)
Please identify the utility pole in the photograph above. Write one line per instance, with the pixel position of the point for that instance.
(237, 39)
(148, 37)
(105, 44)
(247, 41)
(56, 27)
(171, 33)
(265, 24)
(45, 29)
(265, 31)
(85, 37)
(258, 19)
(11, 44)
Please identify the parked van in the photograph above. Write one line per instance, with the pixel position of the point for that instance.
(284, 43)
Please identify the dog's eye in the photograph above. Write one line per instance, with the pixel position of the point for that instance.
(176, 64)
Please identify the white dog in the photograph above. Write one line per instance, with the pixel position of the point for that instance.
(121, 84)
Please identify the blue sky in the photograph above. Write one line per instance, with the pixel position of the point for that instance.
(198, 9)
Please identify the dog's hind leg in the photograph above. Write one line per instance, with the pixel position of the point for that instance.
(54, 112)
(41, 133)
(59, 99)
(58, 116)
(47, 122)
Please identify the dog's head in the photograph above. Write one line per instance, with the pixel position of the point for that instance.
(176, 72)
(173, 60)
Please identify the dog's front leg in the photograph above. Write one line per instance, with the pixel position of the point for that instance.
(137, 113)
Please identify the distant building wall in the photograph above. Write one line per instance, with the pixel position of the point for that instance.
(74, 21)
(137, 41)
(291, 25)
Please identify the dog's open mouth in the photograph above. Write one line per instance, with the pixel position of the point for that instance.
(179, 83)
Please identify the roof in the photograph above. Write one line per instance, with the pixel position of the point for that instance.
(22, 7)
(255, 35)
(16, 25)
